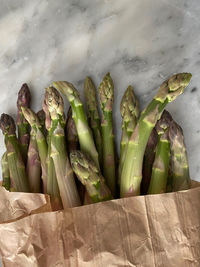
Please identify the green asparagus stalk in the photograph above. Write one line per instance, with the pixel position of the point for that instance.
(149, 157)
(132, 168)
(24, 99)
(38, 136)
(5, 172)
(106, 92)
(71, 133)
(33, 167)
(52, 183)
(15, 160)
(161, 163)
(93, 114)
(86, 141)
(179, 162)
(129, 109)
(73, 144)
(64, 173)
(89, 175)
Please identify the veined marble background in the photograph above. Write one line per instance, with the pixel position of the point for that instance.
(140, 42)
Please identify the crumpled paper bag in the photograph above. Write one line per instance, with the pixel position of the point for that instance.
(145, 231)
(15, 205)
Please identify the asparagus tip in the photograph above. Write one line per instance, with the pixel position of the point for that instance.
(106, 92)
(164, 122)
(7, 124)
(82, 165)
(47, 115)
(24, 97)
(179, 80)
(30, 116)
(173, 87)
(54, 102)
(67, 89)
(129, 105)
(175, 132)
(41, 115)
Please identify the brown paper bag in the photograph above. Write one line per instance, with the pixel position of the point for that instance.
(144, 231)
(15, 205)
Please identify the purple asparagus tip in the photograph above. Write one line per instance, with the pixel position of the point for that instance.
(7, 124)
(24, 97)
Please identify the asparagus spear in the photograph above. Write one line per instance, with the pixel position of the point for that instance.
(52, 183)
(64, 173)
(161, 163)
(84, 133)
(41, 116)
(93, 114)
(179, 162)
(71, 132)
(73, 144)
(38, 136)
(132, 168)
(90, 176)
(129, 109)
(33, 167)
(47, 117)
(15, 160)
(5, 172)
(24, 99)
(106, 92)
(149, 157)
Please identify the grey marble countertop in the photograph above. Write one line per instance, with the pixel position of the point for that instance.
(140, 42)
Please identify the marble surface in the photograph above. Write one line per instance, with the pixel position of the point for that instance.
(140, 42)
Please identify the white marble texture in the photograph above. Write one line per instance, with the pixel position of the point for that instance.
(140, 42)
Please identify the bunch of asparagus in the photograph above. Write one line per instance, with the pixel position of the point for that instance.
(74, 160)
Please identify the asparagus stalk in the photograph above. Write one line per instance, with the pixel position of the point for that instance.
(41, 116)
(52, 183)
(84, 133)
(90, 176)
(24, 99)
(64, 173)
(33, 167)
(5, 172)
(161, 163)
(129, 109)
(149, 157)
(38, 136)
(93, 114)
(132, 168)
(15, 160)
(71, 132)
(73, 144)
(106, 92)
(179, 162)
